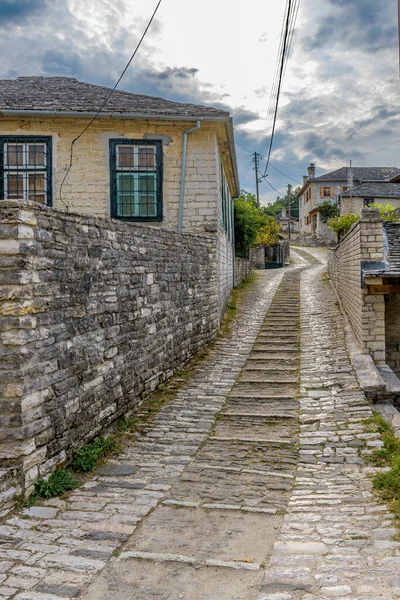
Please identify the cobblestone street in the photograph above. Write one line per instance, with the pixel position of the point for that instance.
(249, 485)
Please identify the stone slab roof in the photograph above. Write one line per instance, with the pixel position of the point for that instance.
(393, 235)
(361, 174)
(65, 94)
(374, 190)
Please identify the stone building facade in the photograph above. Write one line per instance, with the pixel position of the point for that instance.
(143, 159)
(368, 184)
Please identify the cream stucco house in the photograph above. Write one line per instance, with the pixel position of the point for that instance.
(143, 159)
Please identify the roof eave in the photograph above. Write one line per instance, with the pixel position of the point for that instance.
(6, 112)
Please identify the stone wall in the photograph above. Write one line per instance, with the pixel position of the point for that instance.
(243, 270)
(366, 312)
(94, 314)
(392, 331)
(225, 256)
(257, 257)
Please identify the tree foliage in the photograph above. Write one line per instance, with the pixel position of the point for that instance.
(252, 224)
(282, 203)
(327, 210)
(341, 225)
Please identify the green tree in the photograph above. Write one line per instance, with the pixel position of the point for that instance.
(282, 203)
(250, 222)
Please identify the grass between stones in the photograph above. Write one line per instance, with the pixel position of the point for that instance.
(233, 302)
(387, 483)
(92, 455)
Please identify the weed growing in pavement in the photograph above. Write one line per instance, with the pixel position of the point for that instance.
(128, 424)
(232, 305)
(387, 484)
(86, 458)
(57, 484)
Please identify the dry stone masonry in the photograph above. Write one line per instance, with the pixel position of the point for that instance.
(94, 314)
(366, 312)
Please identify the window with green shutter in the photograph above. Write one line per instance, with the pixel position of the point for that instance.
(136, 180)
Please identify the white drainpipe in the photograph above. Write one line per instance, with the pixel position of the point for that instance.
(183, 171)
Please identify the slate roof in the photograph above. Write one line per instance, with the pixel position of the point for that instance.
(64, 94)
(361, 174)
(393, 235)
(375, 190)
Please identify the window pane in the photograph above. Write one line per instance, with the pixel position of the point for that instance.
(15, 186)
(37, 187)
(147, 157)
(148, 205)
(37, 155)
(147, 184)
(15, 155)
(126, 206)
(127, 182)
(126, 156)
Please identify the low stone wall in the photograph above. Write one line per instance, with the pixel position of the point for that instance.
(362, 244)
(94, 314)
(257, 257)
(392, 331)
(243, 270)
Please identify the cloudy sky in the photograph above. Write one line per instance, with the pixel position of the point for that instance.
(341, 93)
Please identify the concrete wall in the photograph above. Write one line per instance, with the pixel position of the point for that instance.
(94, 314)
(366, 312)
(392, 331)
(87, 187)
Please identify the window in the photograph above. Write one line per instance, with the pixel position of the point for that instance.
(226, 204)
(136, 180)
(368, 202)
(326, 192)
(25, 169)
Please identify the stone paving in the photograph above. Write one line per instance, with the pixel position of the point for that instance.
(335, 541)
(250, 485)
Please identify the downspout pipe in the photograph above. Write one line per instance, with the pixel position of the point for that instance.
(183, 174)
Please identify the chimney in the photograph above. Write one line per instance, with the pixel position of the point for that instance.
(305, 179)
(311, 171)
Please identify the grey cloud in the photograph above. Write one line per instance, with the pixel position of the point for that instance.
(369, 25)
(18, 10)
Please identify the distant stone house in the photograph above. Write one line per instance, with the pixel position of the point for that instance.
(334, 187)
(364, 195)
(144, 159)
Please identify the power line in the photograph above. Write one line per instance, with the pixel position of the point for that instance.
(274, 81)
(274, 188)
(108, 98)
(289, 22)
(279, 84)
(288, 176)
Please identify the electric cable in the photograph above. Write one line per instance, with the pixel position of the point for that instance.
(107, 99)
(279, 85)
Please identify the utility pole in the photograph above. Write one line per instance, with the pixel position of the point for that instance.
(289, 193)
(256, 169)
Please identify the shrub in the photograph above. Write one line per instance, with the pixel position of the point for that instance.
(86, 458)
(327, 210)
(387, 212)
(341, 225)
(252, 224)
(56, 485)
